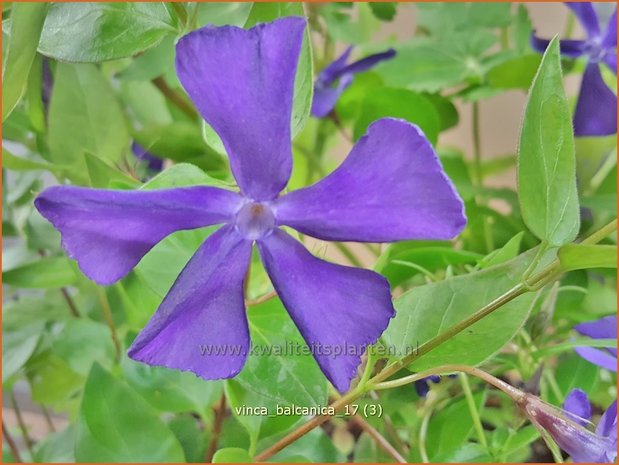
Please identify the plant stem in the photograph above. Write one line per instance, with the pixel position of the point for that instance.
(349, 254)
(263, 298)
(11, 442)
(48, 419)
(70, 303)
(220, 413)
(22, 425)
(378, 438)
(109, 320)
(545, 276)
(479, 177)
(479, 429)
(175, 98)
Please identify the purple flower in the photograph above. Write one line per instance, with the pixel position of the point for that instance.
(604, 328)
(422, 386)
(567, 427)
(339, 73)
(390, 187)
(154, 164)
(577, 404)
(596, 109)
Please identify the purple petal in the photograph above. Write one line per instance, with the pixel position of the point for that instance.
(611, 61)
(201, 324)
(368, 62)
(577, 403)
(604, 328)
(598, 357)
(339, 310)
(587, 16)
(242, 83)
(610, 35)
(325, 98)
(390, 187)
(154, 163)
(422, 386)
(607, 426)
(596, 110)
(108, 232)
(333, 71)
(569, 47)
(581, 444)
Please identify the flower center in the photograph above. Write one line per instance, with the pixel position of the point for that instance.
(254, 220)
(594, 50)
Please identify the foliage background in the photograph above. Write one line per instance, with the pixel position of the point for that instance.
(64, 338)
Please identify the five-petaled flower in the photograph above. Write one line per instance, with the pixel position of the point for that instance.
(390, 187)
(604, 328)
(568, 427)
(326, 94)
(596, 109)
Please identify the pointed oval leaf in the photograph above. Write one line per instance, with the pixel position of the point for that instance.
(546, 157)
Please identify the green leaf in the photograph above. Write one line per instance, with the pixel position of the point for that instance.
(171, 390)
(399, 103)
(82, 342)
(84, 116)
(92, 32)
(507, 252)
(116, 425)
(427, 311)
(26, 23)
(546, 163)
(56, 447)
(101, 174)
(15, 163)
(430, 256)
(450, 427)
(46, 273)
(444, 17)
(515, 73)
(423, 67)
(162, 265)
(18, 345)
(276, 373)
(232, 455)
(384, 11)
(223, 13)
(262, 12)
(179, 141)
(583, 256)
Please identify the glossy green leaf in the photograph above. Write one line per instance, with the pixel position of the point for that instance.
(232, 455)
(583, 256)
(92, 32)
(50, 272)
(262, 12)
(26, 23)
(399, 103)
(278, 372)
(546, 163)
(427, 311)
(116, 425)
(171, 390)
(84, 116)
